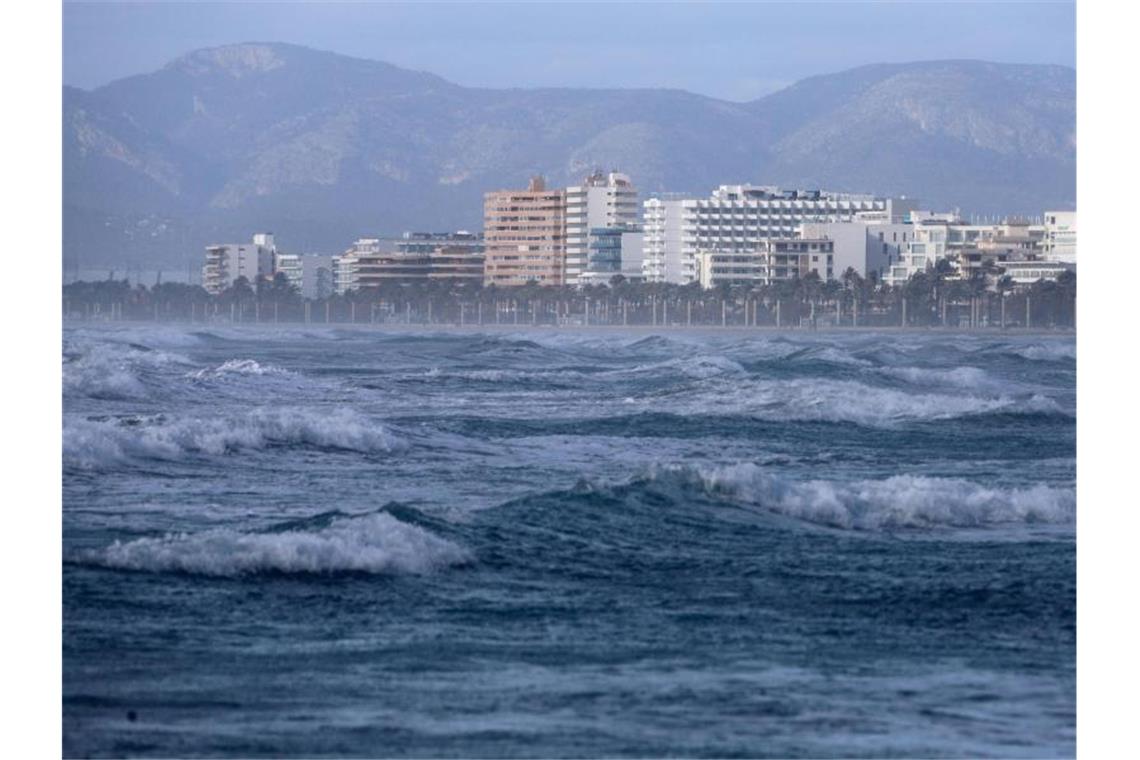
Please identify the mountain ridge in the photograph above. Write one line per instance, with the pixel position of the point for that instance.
(322, 147)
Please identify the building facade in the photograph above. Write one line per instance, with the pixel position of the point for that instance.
(772, 261)
(603, 201)
(226, 263)
(1060, 236)
(524, 236)
(738, 218)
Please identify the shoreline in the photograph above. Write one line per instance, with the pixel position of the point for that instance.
(520, 327)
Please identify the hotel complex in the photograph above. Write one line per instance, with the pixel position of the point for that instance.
(591, 233)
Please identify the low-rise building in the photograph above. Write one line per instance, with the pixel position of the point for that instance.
(772, 261)
(1060, 236)
(1029, 272)
(290, 265)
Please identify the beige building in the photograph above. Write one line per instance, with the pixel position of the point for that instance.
(524, 235)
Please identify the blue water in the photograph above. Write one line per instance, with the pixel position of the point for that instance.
(527, 544)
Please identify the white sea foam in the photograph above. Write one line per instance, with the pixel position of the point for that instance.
(902, 501)
(237, 367)
(112, 370)
(98, 443)
(377, 543)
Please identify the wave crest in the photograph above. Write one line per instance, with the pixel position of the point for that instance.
(376, 544)
(237, 367)
(902, 501)
(98, 443)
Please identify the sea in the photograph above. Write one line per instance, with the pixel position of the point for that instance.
(385, 542)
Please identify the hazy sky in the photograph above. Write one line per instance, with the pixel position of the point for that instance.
(730, 50)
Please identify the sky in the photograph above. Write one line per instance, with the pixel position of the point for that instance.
(736, 51)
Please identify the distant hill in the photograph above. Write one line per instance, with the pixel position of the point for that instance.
(321, 148)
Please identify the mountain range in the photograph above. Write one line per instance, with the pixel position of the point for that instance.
(322, 148)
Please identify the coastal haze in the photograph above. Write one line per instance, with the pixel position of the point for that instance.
(323, 148)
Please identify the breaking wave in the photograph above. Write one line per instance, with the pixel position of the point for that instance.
(377, 544)
(902, 501)
(113, 371)
(95, 443)
(237, 367)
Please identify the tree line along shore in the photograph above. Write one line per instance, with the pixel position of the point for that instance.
(926, 300)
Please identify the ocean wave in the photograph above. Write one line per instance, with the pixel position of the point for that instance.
(376, 544)
(91, 443)
(958, 377)
(696, 367)
(113, 371)
(814, 399)
(902, 501)
(237, 367)
(1048, 352)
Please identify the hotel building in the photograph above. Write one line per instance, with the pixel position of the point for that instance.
(524, 236)
(738, 218)
(603, 201)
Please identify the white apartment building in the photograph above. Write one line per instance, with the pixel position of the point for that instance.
(778, 260)
(310, 274)
(869, 243)
(289, 264)
(602, 200)
(967, 247)
(345, 267)
(1060, 236)
(226, 263)
(739, 217)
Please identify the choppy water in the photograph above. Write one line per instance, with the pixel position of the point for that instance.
(338, 542)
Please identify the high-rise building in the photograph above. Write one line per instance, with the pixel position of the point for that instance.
(524, 236)
(226, 263)
(737, 218)
(602, 201)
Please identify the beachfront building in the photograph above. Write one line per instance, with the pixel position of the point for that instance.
(431, 242)
(289, 264)
(454, 263)
(1024, 273)
(738, 218)
(226, 263)
(524, 236)
(316, 275)
(772, 261)
(716, 268)
(970, 250)
(345, 267)
(614, 251)
(603, 201)
(1060, 236)
(867, 244)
